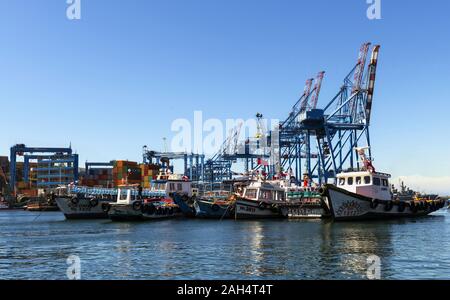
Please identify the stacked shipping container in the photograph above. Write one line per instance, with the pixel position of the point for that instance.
(148, 173)
(126, 172)
(101, 177)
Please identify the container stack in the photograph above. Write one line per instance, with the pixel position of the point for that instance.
(26, 186)
(126, 172)
(148, 172)
(99, 177)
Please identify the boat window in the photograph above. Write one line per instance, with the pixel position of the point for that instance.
(376, 181)
(172, 186)
(385, 182)
(281, 196)
(358, 180)
(341, 181)
(251, 193)
(366, 179)
(179, 187)
(264, 194)
(123, 194)
(350, 181)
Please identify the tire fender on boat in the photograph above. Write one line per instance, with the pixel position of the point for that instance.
(93, 202)
(137, 205)
(215, 207)
(374, 204)
(322, 191)
(401, 206)
(106, 207)
(151, 209)
(274, 208)
(74, 200)
(388, 206)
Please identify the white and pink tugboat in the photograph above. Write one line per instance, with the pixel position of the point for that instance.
(366, 194)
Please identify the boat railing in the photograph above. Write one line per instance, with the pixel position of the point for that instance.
(113, 191)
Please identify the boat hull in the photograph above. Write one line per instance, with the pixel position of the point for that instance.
(121, 212)
(248, 209)
(209, 209)
(298, 211)
(83, 208)
(347, 206)
(185, 208)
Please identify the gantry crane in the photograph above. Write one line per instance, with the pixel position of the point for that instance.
(294, 141)
(343, 125)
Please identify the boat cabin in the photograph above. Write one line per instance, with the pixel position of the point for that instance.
(172, 186)
(125, 194)
(373, 185)
(264, 191)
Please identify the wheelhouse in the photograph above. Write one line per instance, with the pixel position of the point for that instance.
(264, 191)
(374, 185)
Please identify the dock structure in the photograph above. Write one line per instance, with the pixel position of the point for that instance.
(193, 163)
(51, 166)
(254, 152)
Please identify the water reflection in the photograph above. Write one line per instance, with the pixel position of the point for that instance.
(203, 249)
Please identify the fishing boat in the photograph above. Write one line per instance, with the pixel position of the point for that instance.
(305, 203)
(132, 205)
(84, 206)
(41, 204)
(216, 205)
(3, 205)
(212, 201)
(260, 199)
(366, 194)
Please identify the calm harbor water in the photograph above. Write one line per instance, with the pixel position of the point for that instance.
(37, 245)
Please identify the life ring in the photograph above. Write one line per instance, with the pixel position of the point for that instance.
(137, 205)
(74, 200)
(93, 202)
(215, 207)
(388, 206)
(106, 207)
(374, 204)
(262, 206)
(401, 206)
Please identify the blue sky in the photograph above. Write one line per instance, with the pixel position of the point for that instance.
(116, 79)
